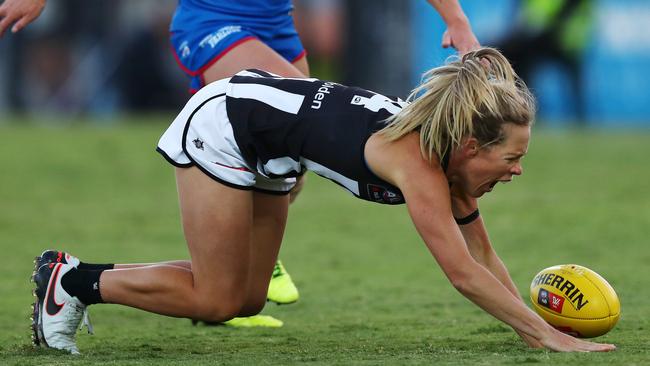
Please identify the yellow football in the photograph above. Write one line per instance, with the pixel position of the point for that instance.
(575, 300)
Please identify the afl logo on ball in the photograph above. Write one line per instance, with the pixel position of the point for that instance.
(550, 300)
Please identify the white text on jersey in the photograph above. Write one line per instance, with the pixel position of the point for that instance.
(320, 95)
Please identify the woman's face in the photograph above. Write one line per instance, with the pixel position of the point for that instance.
(483, 167)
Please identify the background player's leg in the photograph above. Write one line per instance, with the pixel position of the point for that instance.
(254, 54)
(302, 65)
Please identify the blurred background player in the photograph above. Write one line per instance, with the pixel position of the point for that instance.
(108, 57)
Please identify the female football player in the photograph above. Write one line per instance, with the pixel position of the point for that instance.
(238, 146)
(213, 40)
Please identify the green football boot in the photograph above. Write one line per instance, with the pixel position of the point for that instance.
(281, 288)
(247, 322)
(255, 321)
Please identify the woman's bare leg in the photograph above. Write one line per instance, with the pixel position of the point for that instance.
(250, 54)
(254, 54)
(269, 221)
(218, 222)
(268, 230)
(186, 264)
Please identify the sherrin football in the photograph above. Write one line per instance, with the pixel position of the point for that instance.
(575, 300)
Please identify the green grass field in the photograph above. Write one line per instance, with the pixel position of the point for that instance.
(370, 292)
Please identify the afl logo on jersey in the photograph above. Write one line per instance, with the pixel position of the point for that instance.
(378, 102)
(381, 194)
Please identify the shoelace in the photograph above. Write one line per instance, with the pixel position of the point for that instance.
(277, 270)
(86, 321)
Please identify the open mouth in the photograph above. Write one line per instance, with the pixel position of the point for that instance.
(488, 187)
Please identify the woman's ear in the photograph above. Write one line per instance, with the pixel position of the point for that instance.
(470, 147)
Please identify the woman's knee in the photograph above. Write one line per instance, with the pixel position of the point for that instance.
(252, 308)
(217, 309)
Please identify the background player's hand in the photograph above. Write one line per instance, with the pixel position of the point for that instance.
(558, 341)
(459, 35)
(19, 13)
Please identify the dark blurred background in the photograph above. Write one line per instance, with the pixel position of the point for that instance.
(586, 61)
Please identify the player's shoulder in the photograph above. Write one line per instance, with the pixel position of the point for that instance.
(400, 162)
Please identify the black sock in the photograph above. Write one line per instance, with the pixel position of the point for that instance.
(95, 266)
(84, 285)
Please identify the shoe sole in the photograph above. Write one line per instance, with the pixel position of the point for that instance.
(282, 303)
(207, 324)
(39, 295)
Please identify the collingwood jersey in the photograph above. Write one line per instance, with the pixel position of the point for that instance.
(284, 126)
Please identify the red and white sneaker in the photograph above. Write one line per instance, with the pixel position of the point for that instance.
(56, 314)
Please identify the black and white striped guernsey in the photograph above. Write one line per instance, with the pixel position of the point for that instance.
(284, 126)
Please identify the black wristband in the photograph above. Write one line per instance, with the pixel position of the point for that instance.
(467, 219)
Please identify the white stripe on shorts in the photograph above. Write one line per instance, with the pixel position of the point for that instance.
(276, 98)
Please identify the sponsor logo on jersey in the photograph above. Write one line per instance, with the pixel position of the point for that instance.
(214, 38)
(184, 49)
(572, 292)
(383, 195)
(321, 93)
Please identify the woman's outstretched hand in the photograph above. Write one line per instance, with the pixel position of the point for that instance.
(560, 342)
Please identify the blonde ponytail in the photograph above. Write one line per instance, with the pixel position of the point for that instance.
(473, 96)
